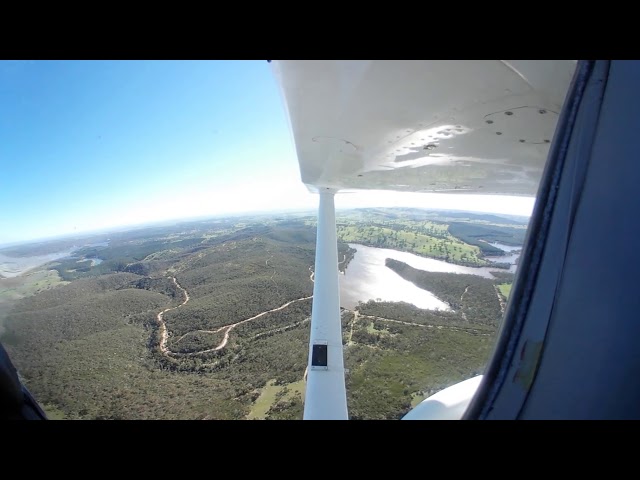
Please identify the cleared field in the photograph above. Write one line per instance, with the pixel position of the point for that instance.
(505, 289)
(28, 284)
(443, 246)
(271, 394)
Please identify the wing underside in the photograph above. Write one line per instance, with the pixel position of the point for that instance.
(424, 126)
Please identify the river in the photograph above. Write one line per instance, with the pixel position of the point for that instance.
(512, 257)
(367, 277)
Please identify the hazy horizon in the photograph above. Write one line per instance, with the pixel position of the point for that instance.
(310, 210)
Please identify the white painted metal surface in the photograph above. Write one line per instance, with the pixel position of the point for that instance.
(326, 397)
(480, 126)
(447, 404)
(422, 126)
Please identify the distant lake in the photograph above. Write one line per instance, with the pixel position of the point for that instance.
(94, 261)
(98, 244)
(368, 278)
(512, 258)
(506, 248)
(14, 266)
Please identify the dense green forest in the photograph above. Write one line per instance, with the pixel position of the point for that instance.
(432, 235)
(481, 234)
(233, 294)
(473, 296)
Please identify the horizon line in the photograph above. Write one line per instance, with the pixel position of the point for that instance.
(177, 220)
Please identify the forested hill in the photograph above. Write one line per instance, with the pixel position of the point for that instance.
(474, 296)
(210, 319)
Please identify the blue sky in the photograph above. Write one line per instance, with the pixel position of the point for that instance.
(86, 145)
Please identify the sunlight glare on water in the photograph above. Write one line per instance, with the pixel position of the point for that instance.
(368, 278)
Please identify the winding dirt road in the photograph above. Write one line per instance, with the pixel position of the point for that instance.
(464, 315)
(164, 335)
(162, 324)
(227, 329)
(470, 331)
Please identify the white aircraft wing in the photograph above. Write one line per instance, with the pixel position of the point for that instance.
(480, 126)
(422, 126)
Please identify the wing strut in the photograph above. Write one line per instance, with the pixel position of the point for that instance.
(326, 396)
